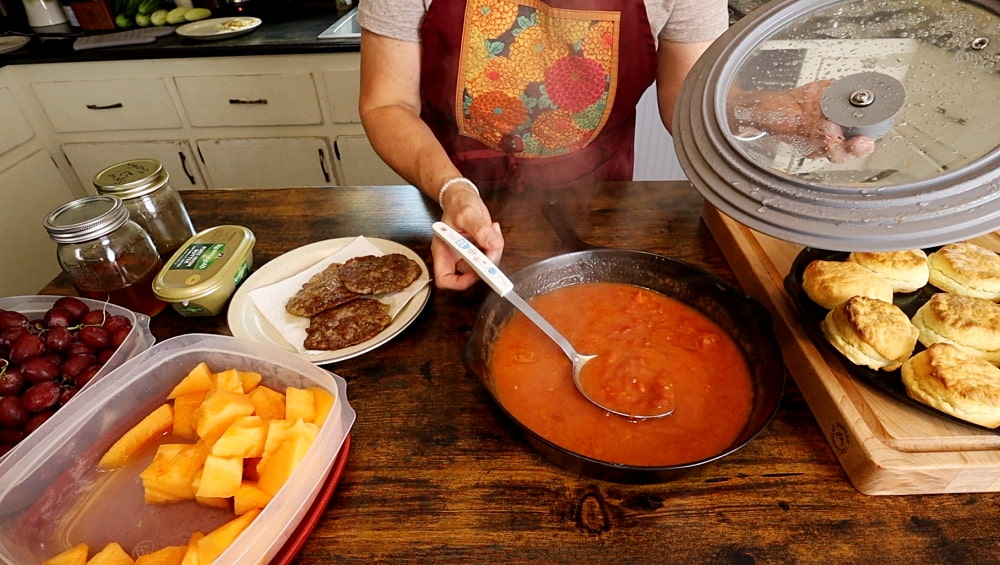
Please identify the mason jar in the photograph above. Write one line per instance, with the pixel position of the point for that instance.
(144, 186)
(105, 254)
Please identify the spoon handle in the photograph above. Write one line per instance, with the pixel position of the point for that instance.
(499, 282)
(476, 259)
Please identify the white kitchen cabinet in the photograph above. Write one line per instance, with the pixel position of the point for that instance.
(176, 156)
(16, 129)
(250, 100)
(29, 190)
(107, 104)
(360, 165)
(267, 162)
(215, 122)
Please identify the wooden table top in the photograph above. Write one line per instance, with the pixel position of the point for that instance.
(436, 474)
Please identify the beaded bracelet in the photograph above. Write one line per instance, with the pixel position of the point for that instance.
(451, 182)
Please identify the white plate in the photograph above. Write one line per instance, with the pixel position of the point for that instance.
(246, 322)
(12, 43)
(219, 28)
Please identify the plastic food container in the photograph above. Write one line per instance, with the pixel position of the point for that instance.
(202, 275)
(52, 496)
(139, 339)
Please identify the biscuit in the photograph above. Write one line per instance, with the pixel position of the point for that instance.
(967, 322)
(829, 283)
(870, 332)
(906, 271)
(966, 268)
(955, 382)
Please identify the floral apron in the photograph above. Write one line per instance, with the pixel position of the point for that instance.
(526, 93)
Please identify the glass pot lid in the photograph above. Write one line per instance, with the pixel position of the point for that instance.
(918, 80)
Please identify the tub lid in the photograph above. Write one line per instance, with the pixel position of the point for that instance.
(920, 79)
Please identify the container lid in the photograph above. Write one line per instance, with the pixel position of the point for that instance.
(86, 219)
(209, 262)
(131, 178)
(919, 78)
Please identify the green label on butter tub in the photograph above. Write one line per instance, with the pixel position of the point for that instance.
(199, 256)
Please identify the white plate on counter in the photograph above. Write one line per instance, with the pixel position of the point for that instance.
(219, 28)
(246, 321)
(12, 43)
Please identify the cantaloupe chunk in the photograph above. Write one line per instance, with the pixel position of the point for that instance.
(170, 555)
(324, 404)
(76, 555)
(300, 404)
(170, 476)
(277, 430)
(280, 465)
(251, 379)
(268, 403)
(199, 379)
(155, 424)
(228, 380)
(219, 410)
(112, 554)
(214, 502)
(243, 438)
(221, 477)
(216, 541)
(191, 551)
(184, 409)
(249, 497)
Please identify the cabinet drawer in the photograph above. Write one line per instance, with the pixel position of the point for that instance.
(106, 105)
(250, 100)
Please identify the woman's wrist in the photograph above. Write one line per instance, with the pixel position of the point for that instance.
(456, 183)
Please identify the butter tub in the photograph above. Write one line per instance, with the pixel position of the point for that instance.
(202, 274)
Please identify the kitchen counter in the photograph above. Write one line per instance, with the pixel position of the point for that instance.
(278, 35)
(435, 472)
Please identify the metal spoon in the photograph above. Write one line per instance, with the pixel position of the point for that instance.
(503, 286)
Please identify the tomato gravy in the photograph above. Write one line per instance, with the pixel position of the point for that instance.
(634, 331)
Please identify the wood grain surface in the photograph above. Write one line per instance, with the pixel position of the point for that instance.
(437, 475)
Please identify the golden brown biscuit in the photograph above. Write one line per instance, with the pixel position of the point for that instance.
(829, 283)
(955, 382)
(906, 271)
(966, 268)
(966, 322)
(870, 332)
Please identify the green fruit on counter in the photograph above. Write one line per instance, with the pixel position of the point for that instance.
(142, 20)
(195, 14)
(158, 18)
(149, 6)
(176, 16)
(122, 21)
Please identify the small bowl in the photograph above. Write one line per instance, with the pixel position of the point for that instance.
(746, 321)
(46, 482)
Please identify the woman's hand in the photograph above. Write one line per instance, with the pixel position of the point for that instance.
(796, 118)
(466, 212)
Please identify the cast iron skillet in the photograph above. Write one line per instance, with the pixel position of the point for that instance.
(748, 323)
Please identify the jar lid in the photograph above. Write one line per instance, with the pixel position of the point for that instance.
(130, 179)
(85, 219)
(919, 78)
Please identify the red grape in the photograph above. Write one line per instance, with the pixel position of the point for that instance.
(58, 339)
(76, 307)
(13, 414)
(94, 336)
(37, 419)
(39, 369)
(86, 375)
(93, 318)
(41, 396)
(75, 364)
(11, 382)
(12, 319)
(57, 317)
(26, 347)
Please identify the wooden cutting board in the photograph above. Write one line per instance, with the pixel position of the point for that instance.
(885, 446)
